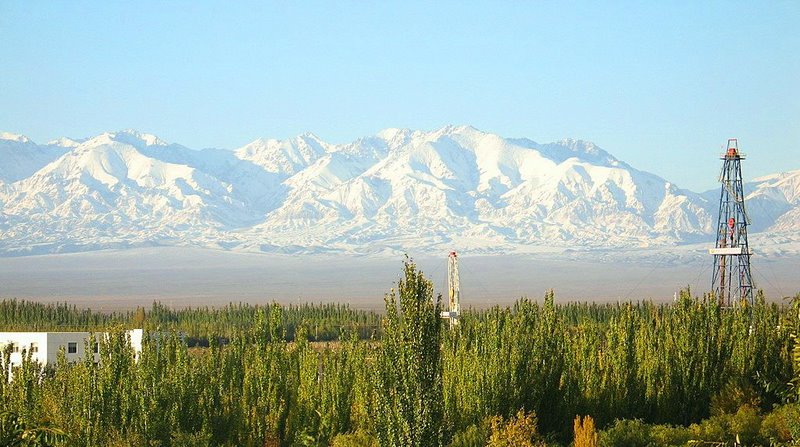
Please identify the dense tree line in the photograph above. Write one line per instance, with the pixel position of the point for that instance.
(324, 322)
(643, 373)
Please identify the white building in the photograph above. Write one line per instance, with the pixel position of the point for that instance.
(44, 346)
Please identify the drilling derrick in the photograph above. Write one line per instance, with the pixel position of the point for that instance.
(731, 279)
(453, 291)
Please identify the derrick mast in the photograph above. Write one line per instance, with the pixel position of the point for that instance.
(453, 290)
(731, 280)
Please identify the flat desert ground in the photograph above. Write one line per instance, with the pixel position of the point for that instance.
(187, 277)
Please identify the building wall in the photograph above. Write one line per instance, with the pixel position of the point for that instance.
(136, 336)
(57, 340)
(24, 341)
(48, 344)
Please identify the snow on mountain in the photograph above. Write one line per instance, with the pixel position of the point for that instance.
(396, 191)
(8, 136)
(774, 201)
(284, 157)
(106, 189)
(459, 184)
(66, 142)
(20, 157)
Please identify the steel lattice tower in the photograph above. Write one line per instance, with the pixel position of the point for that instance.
(732, 281)
(453, 290)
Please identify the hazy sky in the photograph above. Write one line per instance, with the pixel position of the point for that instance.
(660, 85)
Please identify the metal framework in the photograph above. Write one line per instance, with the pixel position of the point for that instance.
(732, 281)
(453, 291)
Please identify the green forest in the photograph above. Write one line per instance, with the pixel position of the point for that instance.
(538, 373)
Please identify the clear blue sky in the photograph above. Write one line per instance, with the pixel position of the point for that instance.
(660, 84)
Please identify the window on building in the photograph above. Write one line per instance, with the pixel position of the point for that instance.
(72, 347)
(96, 347)
(14, 347)
(34, 347)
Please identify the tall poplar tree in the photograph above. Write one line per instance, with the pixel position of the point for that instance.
(409, 407)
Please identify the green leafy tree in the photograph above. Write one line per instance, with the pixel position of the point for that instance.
(408, 394)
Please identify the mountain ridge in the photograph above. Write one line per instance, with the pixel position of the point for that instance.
(400, 189)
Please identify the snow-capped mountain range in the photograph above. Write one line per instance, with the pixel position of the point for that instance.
(400, 190)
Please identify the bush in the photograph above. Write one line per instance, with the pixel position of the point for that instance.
(746, 424)
(669, 435)
(626, 433)
(473, 436)
(357, 439)
(782, 425)
(519, 431)
(713, 429)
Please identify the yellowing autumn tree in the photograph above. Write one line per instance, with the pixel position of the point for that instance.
(585, 432)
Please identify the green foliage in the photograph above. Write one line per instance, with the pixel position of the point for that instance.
(265, 379)
(744, 426)
(325, 322)
(713, 429)
(357, 439)
(732, 396)
(633, 433)
(795, 318)
(16, 432)
(519, 431)
(782, 425)
(408, 392)
(473, 436)
(746, 423)
(626, 433)
(669, 435)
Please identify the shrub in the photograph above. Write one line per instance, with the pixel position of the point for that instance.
(473, 436)
(669, 435)
(713, 429)
(782, 425)
(626, 433)
(357, 439)
(746, 424)
(519, 431)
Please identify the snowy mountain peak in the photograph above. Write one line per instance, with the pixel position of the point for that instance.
(583, 150)
(65, 142)
(785, 184)
(286, 157)
(451, 131)
(8, 136)
(309, 136)
(147, 138)
(395, 136)
(457, 129)
(393, 133)
(778, 177)
(130, 137)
